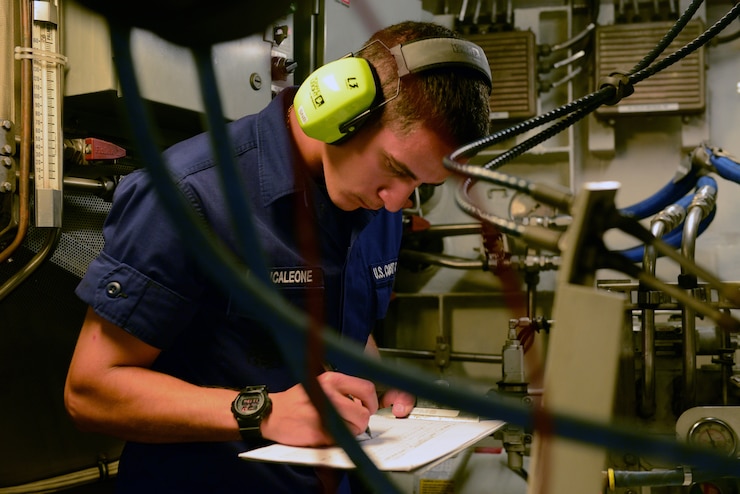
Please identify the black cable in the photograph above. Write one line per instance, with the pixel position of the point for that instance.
(546, 134)
(694, 45)
(730, 37)
(669, 37)
(606, 94)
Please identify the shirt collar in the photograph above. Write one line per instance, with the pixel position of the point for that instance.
(277, 172)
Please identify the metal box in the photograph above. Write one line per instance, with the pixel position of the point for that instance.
(678, 89)
(513, 69)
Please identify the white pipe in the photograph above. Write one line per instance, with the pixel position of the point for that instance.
(54, 484)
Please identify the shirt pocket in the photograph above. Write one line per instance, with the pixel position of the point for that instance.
(383, 275)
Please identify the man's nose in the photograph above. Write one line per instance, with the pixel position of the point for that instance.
(397, 196)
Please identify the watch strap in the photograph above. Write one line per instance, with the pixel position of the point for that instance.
(249, 425)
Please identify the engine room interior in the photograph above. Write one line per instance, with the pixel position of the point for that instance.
(577, 279)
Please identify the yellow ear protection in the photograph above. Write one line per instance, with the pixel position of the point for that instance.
(337, 98)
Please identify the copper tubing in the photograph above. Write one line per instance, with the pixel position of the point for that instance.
(26, 136)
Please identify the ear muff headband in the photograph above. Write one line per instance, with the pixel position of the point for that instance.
(338, 97)
(432, 53)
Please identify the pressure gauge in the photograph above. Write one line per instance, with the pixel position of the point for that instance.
(715, 434)
(524, 209)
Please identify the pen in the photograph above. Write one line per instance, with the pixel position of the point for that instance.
(333, 368)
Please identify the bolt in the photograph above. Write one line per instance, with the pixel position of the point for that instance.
(7, 186)
(255, 80)
(6, 149)
(7, 162)
(7, 124)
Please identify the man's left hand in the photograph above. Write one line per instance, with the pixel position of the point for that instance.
(401, 401)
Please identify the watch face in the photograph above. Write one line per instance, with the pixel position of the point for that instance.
(248, 404)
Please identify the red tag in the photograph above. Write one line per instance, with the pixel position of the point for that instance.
(344, 2)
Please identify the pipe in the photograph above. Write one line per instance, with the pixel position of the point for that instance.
(452, 229)
(103, 187)
(701, 205)
(83, 477)
(665, 221)
(6, 60)
(430, 355)
(46, 250)
(575, 39)
(681, 476)
(440, 260)
(463, 11)
(24, 178)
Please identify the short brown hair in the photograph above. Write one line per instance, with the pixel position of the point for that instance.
(453, 102)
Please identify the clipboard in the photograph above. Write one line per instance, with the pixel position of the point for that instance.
(398, 445)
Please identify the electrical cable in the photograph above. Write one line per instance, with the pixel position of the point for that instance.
(575, 39)
(728, 38)
(608, 93)
(677, 27)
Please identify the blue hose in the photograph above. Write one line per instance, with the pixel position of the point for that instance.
(675, 236)
(726, 168)
(672, 238)
(669, 194)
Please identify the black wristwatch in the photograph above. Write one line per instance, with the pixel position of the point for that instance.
(250, 407)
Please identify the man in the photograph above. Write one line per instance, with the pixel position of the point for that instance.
(164, 350)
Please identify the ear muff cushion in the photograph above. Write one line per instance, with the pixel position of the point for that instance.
(332, 95)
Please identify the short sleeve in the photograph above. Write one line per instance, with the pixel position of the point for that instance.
(144, 281)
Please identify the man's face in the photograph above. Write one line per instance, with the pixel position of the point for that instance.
(376, 168)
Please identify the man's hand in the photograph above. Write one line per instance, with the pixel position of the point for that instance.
(296, 422)
(401, 401)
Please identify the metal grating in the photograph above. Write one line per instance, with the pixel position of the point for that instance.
(82, 235)
(678, 89)
(513, 64)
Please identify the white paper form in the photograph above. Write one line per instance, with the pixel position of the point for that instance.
(396, 444)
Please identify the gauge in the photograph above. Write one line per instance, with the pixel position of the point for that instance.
(714, 434)
(525, 206)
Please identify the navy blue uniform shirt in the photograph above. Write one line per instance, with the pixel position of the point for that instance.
(147, 282)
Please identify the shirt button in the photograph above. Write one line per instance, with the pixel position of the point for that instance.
(113, 289)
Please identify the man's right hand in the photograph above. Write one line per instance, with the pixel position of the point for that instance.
(295, 421)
